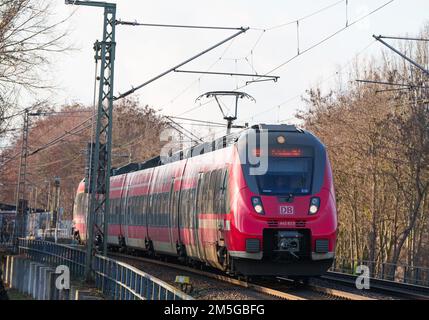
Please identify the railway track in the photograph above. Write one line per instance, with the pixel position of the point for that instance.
(402, 290)
(281, 288)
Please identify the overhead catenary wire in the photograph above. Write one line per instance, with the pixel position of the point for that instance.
(341, 69)
(274, 78)
(329, 37)
(14, 115)
(201, 76)
(203, 125)
(304, 17)
(42, 113)
(135, 23)
(324, 40)
(134, 89)
(10, 159)
(196, 120)
(180, 26)
(72, 131)
(309, 48)
(186, 130)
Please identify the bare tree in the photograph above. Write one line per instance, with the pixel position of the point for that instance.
(28, 37)
(379, 146)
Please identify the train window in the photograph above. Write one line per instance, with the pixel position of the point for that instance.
(160, 209)
(136, 210)
(162, 205)
(219, 191)
(149, 209)
(223, 191)
(131, 205)
(129, 210)
(142, 209)
(189, 200)
(192, 204)
(164, 208)
(200, 194)
(156, 210)
(112, 214)
(215, 183)
(286, 176)
(153, 209)
(226, 191)
(210, 191)
(112, 211)
(179, 204)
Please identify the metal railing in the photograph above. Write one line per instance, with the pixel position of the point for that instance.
(385, 271)
(116, 280)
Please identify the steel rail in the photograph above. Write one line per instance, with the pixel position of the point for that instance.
(260, 288)
(403, 290)
(240, 283)
(335, 292)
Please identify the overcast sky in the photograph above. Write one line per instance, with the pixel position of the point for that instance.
(143, 52)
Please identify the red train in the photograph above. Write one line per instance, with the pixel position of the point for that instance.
(211, 207)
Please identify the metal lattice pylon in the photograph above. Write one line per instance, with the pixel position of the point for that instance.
(101, 157)
(21, 203)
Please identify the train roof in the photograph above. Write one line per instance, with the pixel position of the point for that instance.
(202, 148)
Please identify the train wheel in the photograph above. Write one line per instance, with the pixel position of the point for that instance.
(122, 244)
(181, 252)
(224, 259)
(149, 248)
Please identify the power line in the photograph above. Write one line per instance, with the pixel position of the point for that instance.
(60, 138)
(196, 120)
(324, 40)
(200, 77)
(278, 26)
(203, 125)
(186, 130)
(330, 36)
(274, 78)
(139, 24)
(10, 159)
(305, 17)
(131, 91)
(42, 113)
(309, 48)
(324, 80)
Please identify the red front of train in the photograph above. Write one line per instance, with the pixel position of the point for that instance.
(261, 205)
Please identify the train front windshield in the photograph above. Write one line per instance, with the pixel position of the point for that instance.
(286, 176)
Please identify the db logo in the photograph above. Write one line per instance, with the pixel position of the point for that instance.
(286, 210)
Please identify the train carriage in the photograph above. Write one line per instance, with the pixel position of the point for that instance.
(214, 207)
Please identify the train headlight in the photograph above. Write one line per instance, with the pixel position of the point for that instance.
(257, 205)
(314, 205)
(281, 139)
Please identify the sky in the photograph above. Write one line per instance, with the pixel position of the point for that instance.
(144, 52)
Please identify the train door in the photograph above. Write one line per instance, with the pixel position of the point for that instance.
(212, 219)
(147, 205)
(222, 222)
(172, 213)
(124, 213)
(198, 209)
